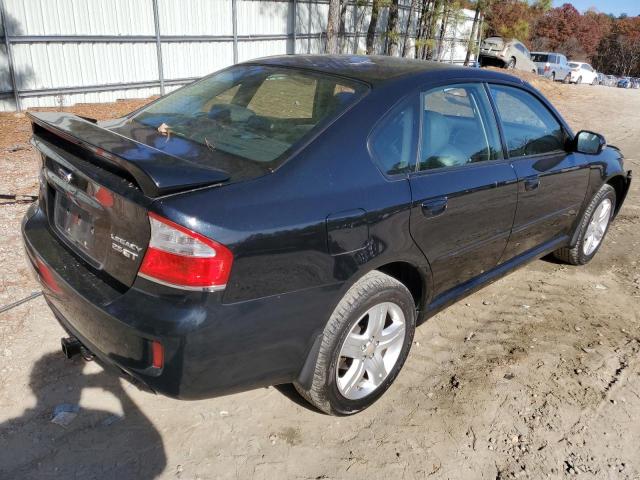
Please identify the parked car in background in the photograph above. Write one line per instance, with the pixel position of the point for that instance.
(582, 72)
(552, 65)
(499, 52)
(602, 78)
(293, 218)
(624, 82)
(635, 83)
(611, 81)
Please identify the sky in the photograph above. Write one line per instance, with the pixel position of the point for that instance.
(630, 7)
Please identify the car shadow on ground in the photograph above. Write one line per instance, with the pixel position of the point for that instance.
(116, 441)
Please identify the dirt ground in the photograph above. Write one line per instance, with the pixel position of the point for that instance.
(536, 376)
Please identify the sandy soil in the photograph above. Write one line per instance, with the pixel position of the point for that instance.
(535, 376)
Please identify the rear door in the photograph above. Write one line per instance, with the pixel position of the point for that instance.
(564, 66)
(463, 193)
(552, 182)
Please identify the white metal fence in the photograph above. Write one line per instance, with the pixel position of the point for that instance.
(61, 52)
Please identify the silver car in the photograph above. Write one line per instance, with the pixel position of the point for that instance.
(500, 52)
(552, 65)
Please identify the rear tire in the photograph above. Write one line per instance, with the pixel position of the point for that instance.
(579, 81)
(511, 64)
(344, 379)
(567, 79)
(585, 249)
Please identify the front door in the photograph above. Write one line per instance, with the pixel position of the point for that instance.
(464, 193)
(552, 182)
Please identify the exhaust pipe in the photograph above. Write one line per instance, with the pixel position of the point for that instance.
(71, 347)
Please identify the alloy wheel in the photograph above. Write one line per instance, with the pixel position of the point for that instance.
(597, 227)
(371, 350)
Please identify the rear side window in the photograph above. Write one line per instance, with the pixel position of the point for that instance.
(458, 127)
(394, 141)
(540, 57)
(529, 127)
(249, 113)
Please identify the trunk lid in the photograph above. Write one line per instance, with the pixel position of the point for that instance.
(97, 185)
(493, 44)
(155, 172)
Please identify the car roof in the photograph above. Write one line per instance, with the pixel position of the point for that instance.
(373, 69)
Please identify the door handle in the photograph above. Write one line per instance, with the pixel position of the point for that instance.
(531, 183)
(434, 207)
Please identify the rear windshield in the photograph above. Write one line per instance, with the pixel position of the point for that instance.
(540, 57)
(252, 113)
(573, 64)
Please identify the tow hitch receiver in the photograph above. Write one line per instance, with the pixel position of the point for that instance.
(71, 347)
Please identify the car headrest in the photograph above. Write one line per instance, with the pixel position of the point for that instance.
(229, 112)
(435, 133)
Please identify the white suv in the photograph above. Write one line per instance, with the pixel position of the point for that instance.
(583, 73)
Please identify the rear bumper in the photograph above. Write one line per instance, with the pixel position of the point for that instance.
(492, 59)
(210, 348)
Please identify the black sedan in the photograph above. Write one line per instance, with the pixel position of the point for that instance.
(291, 219)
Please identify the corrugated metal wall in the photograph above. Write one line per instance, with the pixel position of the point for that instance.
(71, 51)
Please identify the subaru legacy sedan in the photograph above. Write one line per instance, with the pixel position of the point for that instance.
(292, 219)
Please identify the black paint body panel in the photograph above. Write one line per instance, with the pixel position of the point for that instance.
(304, 233)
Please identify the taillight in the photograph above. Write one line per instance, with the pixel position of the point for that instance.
(182, 258)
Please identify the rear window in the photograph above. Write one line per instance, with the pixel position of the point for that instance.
(539, 57)
(573, 64)
(252, 113)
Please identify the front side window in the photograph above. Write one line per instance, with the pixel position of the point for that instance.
(529, 127)
(458, 127)
(248, 114)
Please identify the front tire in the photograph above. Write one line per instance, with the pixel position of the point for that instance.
(592, 228)
(364, 345)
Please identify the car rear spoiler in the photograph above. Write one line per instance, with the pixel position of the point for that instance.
(156, 172)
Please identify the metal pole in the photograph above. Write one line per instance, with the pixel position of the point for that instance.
(295, 16)
(234, 21)
(309, 26)
(10, 61)
(156, 21)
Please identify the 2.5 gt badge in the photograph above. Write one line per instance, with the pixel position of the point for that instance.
(125, 247)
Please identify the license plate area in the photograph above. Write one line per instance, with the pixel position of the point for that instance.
(77, 226)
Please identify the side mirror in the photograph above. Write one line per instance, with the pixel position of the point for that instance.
(589, 143)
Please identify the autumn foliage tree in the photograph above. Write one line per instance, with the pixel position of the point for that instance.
(566, 30)
(618, 53)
